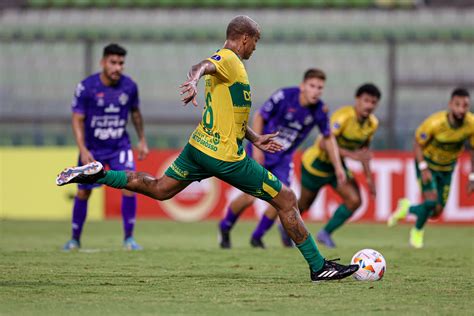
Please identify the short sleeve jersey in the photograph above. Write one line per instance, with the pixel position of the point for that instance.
(284, 114)
(349, 132)
(443, 143)
(106, 110)
(224, 120)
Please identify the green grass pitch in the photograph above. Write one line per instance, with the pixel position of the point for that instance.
(182, 271)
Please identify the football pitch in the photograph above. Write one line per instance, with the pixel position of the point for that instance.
(182, 271)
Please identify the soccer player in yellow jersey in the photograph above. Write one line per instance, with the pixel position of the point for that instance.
(439, 141)
(353, 127)
(215, 148)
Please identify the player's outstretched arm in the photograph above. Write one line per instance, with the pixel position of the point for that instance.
(189, 87)
(264, 142)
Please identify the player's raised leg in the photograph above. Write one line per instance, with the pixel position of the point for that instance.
(234, 210)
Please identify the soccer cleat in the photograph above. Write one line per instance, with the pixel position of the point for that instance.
(416, 238)
(72, 244)
(324, 238)
(257, 243)
(400, 213)
(131, 244)
(285, 239)
(224, 238)
(333, 271)
(85, 174)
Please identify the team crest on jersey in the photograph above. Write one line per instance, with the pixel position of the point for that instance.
(308, 120)
(423, 136)
(336, 125)
(100, 102)
(123, 99)
(216, 57)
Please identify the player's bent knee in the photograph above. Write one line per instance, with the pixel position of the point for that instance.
(354, 203)
(285, 200)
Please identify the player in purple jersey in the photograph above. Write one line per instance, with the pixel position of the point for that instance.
(101, 106)
(292, 112)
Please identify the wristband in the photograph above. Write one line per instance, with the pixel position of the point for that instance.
(471, 177)
(422, 165)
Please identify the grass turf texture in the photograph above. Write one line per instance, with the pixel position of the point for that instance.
(182, 271)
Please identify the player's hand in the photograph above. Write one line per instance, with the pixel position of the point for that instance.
(142, 150)
(340, 176)
(258, 156)
(268, 143)
(372, 188)
(86, 156)
(426, 176)
(189, 90)
(362, 155)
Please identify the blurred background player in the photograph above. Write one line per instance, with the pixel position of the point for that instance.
(215, 148)
(292, 112)
(353, 127)
(101, 106)
(438, 143)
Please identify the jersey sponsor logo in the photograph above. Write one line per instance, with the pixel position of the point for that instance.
(108, 121)
(108, 127)
(216, 57)
(123, 98)
(111, 108)
(108, 133)
(200, 139)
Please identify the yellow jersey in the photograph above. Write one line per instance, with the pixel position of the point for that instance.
(442, 143)
(350, 134)
(224, 120)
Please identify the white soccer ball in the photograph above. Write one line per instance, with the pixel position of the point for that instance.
(371, 265)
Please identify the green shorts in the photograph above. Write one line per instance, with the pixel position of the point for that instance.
(327, 175)
(440, 182)
(246, 175)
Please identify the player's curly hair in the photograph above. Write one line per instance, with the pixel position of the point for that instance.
(370, 89)
(241, 25)
(460, 92)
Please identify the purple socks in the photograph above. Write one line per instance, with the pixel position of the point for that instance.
(262, 227)
(79, 213)
(129, 211)
(229, 220)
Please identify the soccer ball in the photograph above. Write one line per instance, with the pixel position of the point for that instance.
(371, 265)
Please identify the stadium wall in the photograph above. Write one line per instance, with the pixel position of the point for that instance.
(27, 190)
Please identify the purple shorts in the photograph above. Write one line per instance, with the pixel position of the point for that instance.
(121, 160)
(283, 170)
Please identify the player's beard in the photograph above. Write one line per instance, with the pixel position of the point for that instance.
(114, 77)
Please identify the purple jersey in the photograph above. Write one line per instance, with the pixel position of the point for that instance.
(106, 110)
(283, 112)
